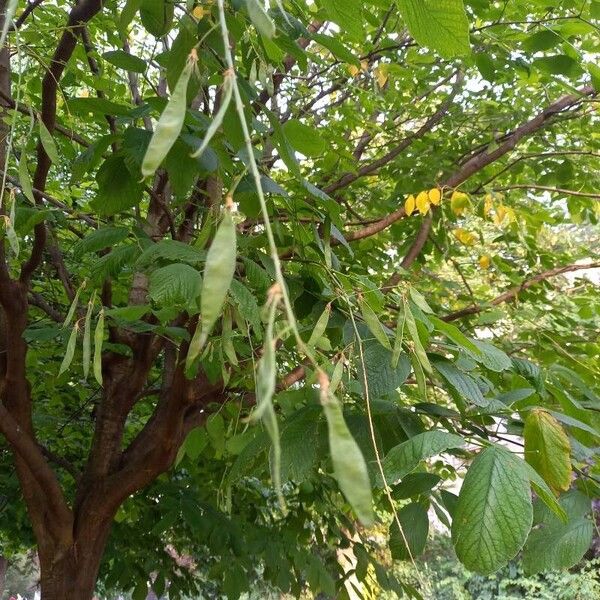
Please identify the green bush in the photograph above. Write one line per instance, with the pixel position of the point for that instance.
(440, 576)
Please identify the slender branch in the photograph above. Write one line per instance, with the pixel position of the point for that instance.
(33, 457)
(545, 188)
(31, 6)
(27, 110)
(527, 156)
(429, 124)
(79, 15)
(515, 291)
(482, 159)
(36, 299)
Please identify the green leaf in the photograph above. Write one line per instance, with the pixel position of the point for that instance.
(300, 440)
(127, 15)
(349, 465)
(118, 190)
(462, 383)
(555, 545)
(494, 514)
(541, 40)
(373, 323)
(547, 449)
(540, 487)
(408, 535)
(559, 64)
(491, 357)
(24, 178)
(414, 484)
(48, 142)
(260, 19)
(347, 14)
(157, 16)
(381, 378)
(336, 48)
(414, 334)
(125, 60)
(246, 303)
(99, 239)
(171, 250)
(456, 335)
(405, 457)
(176, 284)
(441, 25)
(303, 138)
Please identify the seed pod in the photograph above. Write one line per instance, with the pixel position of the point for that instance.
(226, 92)
(349, 466)
(170, 123)
(320, 327)
(98, 339)
(70, 352)
(87, 345)
(218, 273)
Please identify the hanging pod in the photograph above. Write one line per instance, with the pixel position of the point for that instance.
(226, 92)
(70, 352)
(171, 121)
(98, 339)
(218, 273)
(87, 344)
(265, 388)
(349, 466)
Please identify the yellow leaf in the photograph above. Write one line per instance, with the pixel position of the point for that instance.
(435, 196)
(423, 202)
(488, 204)
(381, 76)
(464, 236)
(510, 213)
(409, 205)
(484, 261)
(500, 214)
(459, 202)
(198, 12)
(548, 449)
(364, 65)
(353, 70)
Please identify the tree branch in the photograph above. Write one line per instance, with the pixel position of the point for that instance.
(79, 15)
(545, 188)
(482, 159)
(429, 124)
(31, 454)
(515, 291)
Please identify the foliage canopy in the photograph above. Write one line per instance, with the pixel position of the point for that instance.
(274, 276)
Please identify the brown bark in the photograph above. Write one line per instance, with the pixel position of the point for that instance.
(3, 569)
(72, 574)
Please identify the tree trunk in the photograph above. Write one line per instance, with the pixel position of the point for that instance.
(3, 569)
(72, 573)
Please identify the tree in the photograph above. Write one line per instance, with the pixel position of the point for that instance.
(371, 173)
